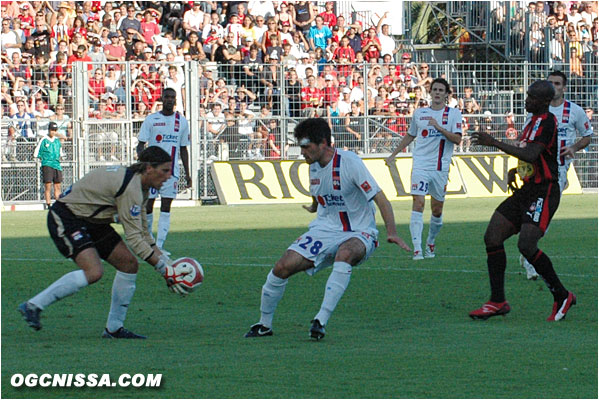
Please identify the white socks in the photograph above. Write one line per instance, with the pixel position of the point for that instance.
(434, 228)
(67, 285)
(150, 219)
(272, 292)
(336, 285)
(416, 226)
(123, 288)
(164, 223)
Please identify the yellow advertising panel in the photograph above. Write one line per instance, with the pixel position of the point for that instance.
(264, 182)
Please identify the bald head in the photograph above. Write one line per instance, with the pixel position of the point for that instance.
(540, 94)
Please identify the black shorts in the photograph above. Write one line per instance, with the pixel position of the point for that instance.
(532, 204)
(51, 175)
(72, 234)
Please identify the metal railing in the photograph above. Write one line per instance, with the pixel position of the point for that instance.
(484, 91)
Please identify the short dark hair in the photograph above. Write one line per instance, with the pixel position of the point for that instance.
(315, 129)
(543, 90)
(442, 82)
(560, 74)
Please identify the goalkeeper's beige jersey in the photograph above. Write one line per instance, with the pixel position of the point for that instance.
(105, 193)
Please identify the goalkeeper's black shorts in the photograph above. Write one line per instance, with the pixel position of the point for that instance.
(72, 235)
(531, 204)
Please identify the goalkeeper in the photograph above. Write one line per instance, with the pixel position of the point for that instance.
(79, 223)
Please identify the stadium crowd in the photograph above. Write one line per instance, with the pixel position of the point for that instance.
(258, 59)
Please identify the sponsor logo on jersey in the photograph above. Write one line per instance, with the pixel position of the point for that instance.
(159, 124)
(329, 200)
(424, 133)
(366, 186)
(135, 210)
(315, 181)
(158, 138)
(77, 235)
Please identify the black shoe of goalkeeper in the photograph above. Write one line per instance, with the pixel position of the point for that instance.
(121, 333)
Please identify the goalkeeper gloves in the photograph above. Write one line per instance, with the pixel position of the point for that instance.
(166, 269)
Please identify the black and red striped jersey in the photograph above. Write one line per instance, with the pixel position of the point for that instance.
(541, 129)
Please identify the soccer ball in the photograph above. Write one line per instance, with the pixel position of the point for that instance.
(188, 272)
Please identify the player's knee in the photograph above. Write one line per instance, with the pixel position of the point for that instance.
(93, 275)
(129, 265)
(281, 269)
(527, 247)
(491, 239)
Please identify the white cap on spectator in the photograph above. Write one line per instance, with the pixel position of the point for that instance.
(147, 50)
(328, 77)
(346, 90)
(162, 56)
(487, 112)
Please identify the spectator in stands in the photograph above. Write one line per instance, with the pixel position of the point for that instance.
(371, 46)
(319, 35)
(114, 51)
(274, 48)
(9, 147)
(312, 99)
(97, 54)
(293, 94)
(330, 93)
(469, 98)
(384, 35)
(271, 82)
(149, 27)
(588, 14)
(216, 126)
(328, 15)
(263, 9)
(130, 22)
(194, 47)
(247, 31)
(536, 37)
(251, 67)
(194, 19)
(299, 46)
(42, 115)
(80, 55)
(355, 125)
(268, 35)
(63, 123)
(178, 84)
(23, 121)
(303, 13)
(96, 87)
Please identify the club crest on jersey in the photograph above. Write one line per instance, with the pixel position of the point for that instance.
(77, 235)
(366, 186)
(158, 138)
(135, 210)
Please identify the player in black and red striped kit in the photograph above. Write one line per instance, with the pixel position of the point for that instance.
(530, 208)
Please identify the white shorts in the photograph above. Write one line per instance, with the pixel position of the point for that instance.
(429, 182)
(321, 247)
(168, 189)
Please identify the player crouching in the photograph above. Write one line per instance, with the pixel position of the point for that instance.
(79, 223)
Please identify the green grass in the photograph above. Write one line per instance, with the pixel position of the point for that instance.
(401, 329)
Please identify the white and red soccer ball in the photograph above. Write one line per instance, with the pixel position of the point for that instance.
(188, 272)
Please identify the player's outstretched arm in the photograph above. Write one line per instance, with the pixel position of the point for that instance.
(407, 139)
(529, 153)
(312, 207)
(387, 213)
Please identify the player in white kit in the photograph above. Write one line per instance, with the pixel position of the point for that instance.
(436, 130)
(344, 232)
(571, 118)
(169, 130)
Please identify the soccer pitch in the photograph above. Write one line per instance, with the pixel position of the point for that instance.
(400, 331)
